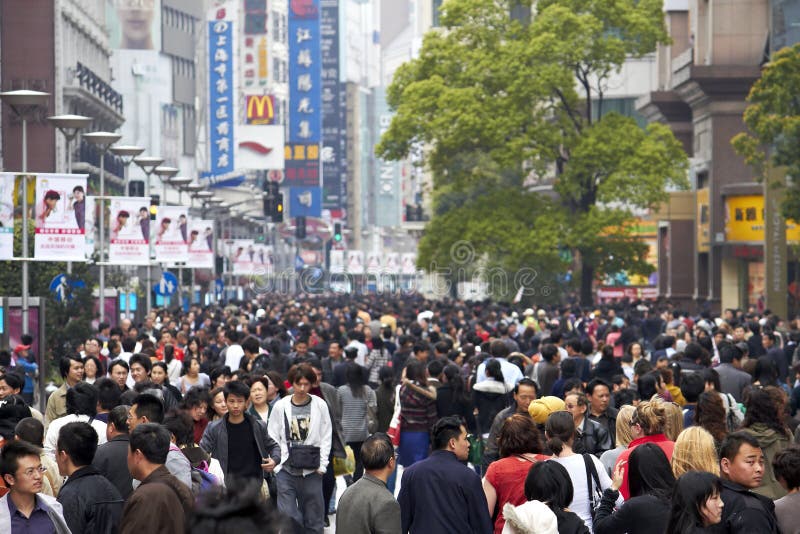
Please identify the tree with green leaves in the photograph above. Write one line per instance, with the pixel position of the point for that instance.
(773, 120)
(499, 103)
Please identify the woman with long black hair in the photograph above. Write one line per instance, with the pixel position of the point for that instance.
(696, 504)
(651, 481)
(452, 397)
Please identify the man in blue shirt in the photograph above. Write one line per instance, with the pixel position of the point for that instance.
(441, 494)
(25, 508)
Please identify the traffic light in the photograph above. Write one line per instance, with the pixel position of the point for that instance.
(337, 232)
(269, 205)
(277, 209)
(155, 200)
(300, 227)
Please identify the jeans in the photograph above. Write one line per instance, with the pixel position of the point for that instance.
(300, 498)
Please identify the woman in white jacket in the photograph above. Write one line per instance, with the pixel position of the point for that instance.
(300, 421)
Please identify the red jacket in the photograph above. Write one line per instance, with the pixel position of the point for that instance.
(659, 439)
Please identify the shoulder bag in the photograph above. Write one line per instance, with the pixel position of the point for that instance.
(301, 456)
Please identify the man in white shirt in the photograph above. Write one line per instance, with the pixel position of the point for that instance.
(511, 373)
(81, 407)
(357, 341)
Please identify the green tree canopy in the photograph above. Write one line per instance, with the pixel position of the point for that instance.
(773, 120)
(501, 104)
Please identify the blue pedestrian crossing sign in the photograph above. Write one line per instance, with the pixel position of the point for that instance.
(167, 286)
(62, 287)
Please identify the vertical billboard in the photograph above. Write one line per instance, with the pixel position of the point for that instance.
(201, 244)
(129, 231)
(7, 182)
(386, 173)
(253, 47)
(60, 217)
(222, 97)
(134, 24)
(171, 234)
(305, 87)
(334, 129)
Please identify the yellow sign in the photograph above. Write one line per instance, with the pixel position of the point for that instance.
(744, 220)
(703, 220)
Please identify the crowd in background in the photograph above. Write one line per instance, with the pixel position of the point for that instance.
(627, 418)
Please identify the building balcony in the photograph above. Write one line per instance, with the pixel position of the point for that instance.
(87, 160)
(86, 93)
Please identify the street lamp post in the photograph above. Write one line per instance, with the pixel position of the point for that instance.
(180, 182)
(165, 173)
(103, 141)
(69, 126)
(148, 164)
(22, 103)
(127, 153)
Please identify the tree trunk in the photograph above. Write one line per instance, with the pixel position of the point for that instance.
(587, 278)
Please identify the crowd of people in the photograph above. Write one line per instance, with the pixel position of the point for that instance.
(438, 417)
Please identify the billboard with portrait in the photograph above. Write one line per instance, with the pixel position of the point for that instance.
(134, 24)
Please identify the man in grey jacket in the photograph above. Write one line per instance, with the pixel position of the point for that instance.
(368, 506)
(239, 441)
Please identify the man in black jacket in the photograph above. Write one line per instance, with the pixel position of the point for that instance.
(111, 457)
(91, 503)
(742, 469)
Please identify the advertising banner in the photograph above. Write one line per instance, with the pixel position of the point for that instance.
(387, 173)
(6, 216)
(60, 215)
(242, 256)
(337, 261)
(355, 262)
(334, 111)
(134, 24)
(263, 262)
(409, 263)
(222, 108)
(301, 162)
(392, 265)
(201, 244)
(373, 263)
(91, 226)
(171, 234)
(305, 72)
(259, 147)
(129, 231)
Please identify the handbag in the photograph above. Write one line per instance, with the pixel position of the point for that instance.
(476, 446)
(394, 426)
(344, 466)
(595, 494)
(301, 456)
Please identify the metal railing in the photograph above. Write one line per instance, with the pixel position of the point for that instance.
(90, 81)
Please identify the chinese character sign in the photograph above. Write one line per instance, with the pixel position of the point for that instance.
(171, 234)
(6, 216)
(334, 111)
(301, 164)
(129, 231)
(222, 112)
(305, 70)
(60, 217)
(91, 226)
(201, 244)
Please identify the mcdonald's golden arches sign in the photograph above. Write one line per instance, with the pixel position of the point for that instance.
(260, 109)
